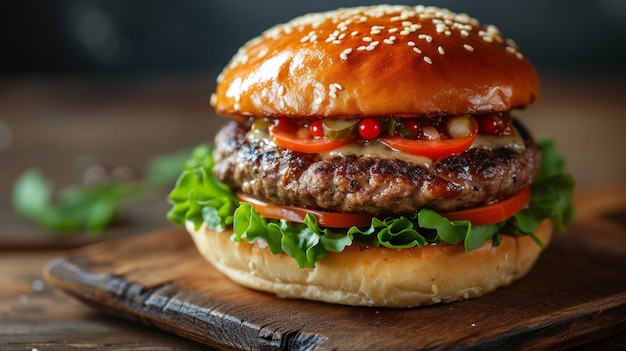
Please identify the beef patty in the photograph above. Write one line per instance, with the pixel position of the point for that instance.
(378, 186)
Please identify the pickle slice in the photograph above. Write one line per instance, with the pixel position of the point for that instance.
(260, 124)
(339, 128)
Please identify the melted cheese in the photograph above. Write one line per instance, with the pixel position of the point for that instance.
(514, 142)
(376, 149)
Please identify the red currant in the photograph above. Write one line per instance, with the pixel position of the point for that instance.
(488, 124)
(494, 124)
(316, 128)
(413, 127)
(369, 128)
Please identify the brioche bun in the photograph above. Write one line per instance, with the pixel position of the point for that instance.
(384, 62)
(376, 276)
(376, 61)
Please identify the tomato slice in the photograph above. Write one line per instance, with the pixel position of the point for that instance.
(432, 148)
(297, 214)
(299, 139)
(494, 212)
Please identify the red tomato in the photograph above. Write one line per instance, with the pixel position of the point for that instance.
(492, 213)
(297, 214)
(432, 148)
(288, 135)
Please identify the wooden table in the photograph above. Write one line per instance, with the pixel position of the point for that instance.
(54, 122)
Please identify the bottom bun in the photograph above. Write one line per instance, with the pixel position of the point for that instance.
(362, 275)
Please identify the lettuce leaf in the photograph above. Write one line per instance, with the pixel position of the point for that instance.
(200, 198)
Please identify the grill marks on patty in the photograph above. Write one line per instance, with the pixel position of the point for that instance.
(376, 186)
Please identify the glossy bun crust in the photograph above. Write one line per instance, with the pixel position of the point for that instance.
(368, 276)
(377, 61)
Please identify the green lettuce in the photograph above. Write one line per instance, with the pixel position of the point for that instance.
(202, 199)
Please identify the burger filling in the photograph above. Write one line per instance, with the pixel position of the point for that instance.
(368, 176)
(307, 187)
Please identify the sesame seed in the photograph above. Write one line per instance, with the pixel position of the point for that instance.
(510, 42)
(493, 29)
(332, 94)
(281, 90)
(406, 23)
(462, 17)
(338, 86)
(426, 37)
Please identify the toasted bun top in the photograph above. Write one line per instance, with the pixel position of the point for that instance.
(376, 61)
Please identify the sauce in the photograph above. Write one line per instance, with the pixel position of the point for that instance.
(376, 149)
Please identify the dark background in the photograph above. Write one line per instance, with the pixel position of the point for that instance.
(113, 37)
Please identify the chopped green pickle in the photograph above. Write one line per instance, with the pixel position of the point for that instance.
(460, 126)
(339, 128)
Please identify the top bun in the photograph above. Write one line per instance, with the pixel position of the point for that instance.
(376, 61)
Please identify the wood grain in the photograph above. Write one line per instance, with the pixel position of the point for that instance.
(35, 315)
(575, 294)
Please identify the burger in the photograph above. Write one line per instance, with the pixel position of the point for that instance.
(373, 159)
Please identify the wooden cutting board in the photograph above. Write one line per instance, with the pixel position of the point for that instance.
(575, 294)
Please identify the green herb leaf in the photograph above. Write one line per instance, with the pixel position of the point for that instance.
(32, 195)
(449, 232)
(89, 208)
